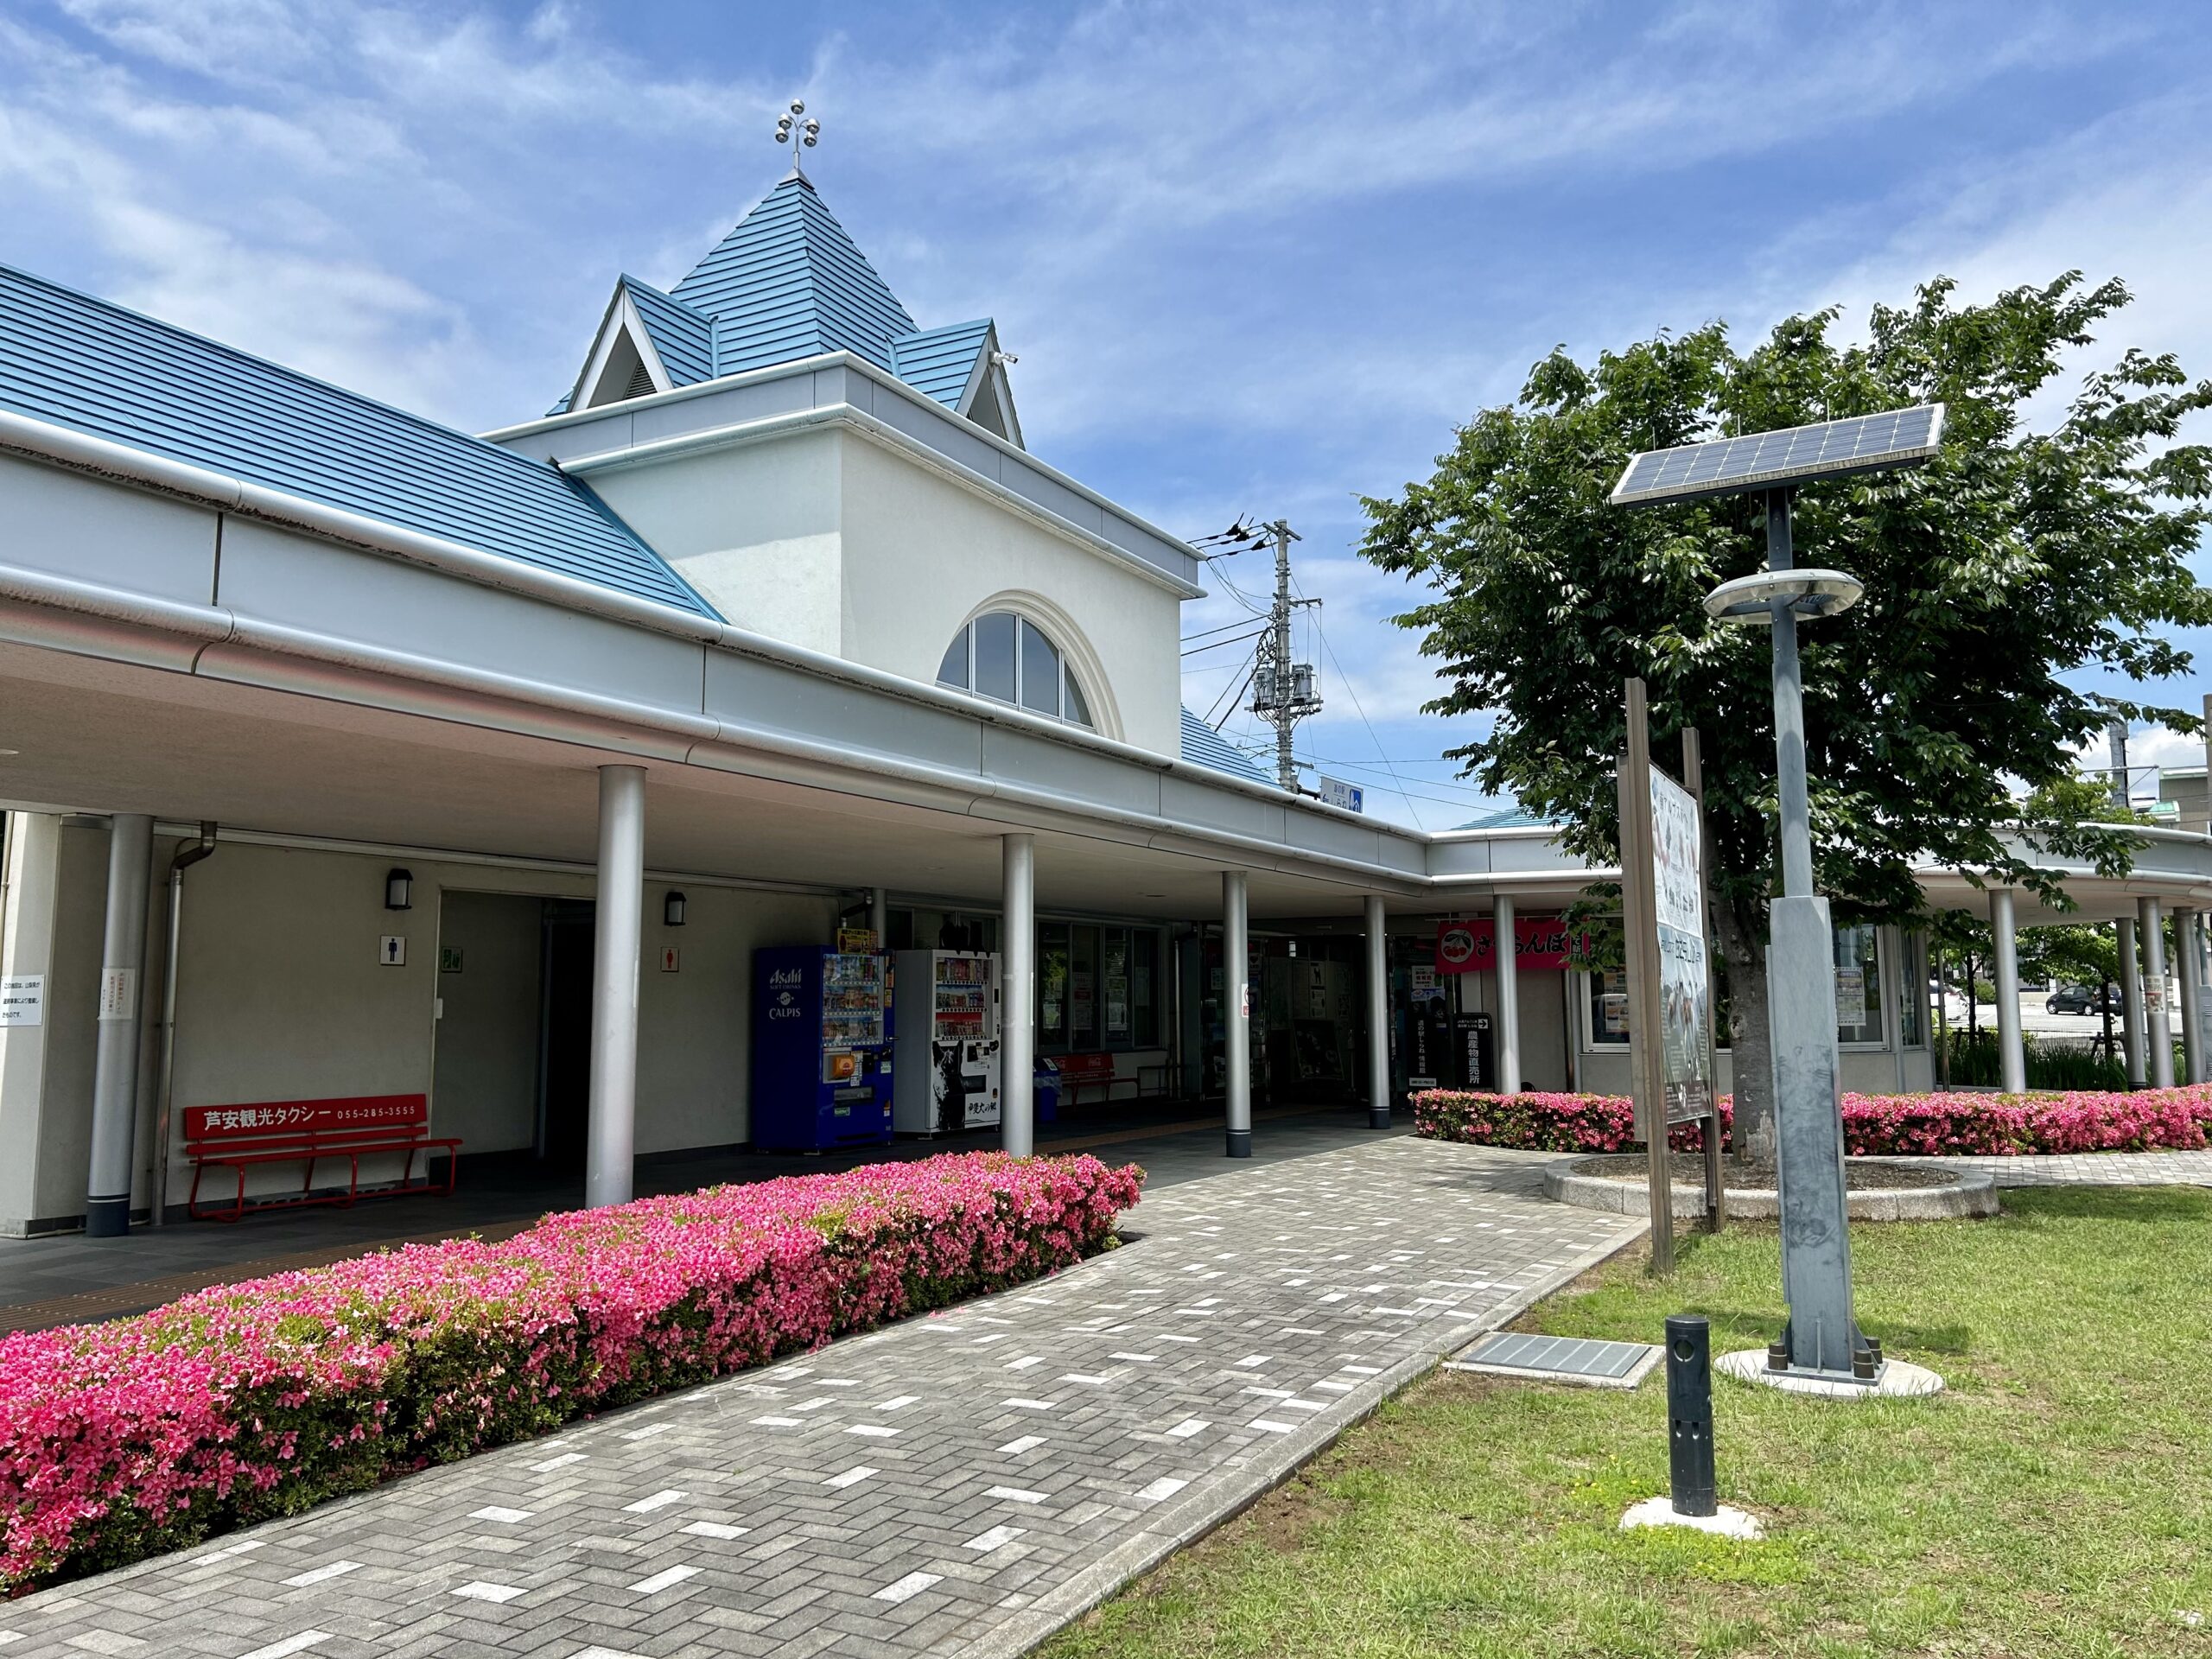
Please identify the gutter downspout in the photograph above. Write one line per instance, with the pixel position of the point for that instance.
(187, 856)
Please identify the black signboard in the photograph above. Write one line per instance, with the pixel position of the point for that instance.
(1428, 1044)
(1473, 1051)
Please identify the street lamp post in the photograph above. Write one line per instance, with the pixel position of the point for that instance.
(1821, 1344)
(1822, 1336)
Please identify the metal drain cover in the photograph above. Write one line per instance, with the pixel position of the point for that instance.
(1558, 1359)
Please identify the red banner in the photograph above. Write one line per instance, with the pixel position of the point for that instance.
(1539, 941)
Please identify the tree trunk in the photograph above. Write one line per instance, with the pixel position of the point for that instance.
(1750, 1043)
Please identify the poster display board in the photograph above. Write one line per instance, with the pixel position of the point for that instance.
(1685, 974)
(1670, 972)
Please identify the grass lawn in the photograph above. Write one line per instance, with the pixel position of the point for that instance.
(2058, 1501)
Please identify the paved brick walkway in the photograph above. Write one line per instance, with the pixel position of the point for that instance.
(958, 1485)
(2095, 1169)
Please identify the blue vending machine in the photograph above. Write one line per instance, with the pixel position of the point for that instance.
(821, 1049)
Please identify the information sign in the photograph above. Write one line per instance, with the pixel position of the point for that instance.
(1685, 976)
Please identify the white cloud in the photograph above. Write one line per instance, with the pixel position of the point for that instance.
(1253, 258)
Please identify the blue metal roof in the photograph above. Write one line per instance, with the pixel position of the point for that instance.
(1203, 746)
(939, 362)
(1511, 816)
(80, 362)
(787, 282)
(685, 339)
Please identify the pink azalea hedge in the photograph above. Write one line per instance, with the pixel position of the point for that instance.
(1546, 1122)
(257, 1399)
(1923, 1125)
(2083, 1120)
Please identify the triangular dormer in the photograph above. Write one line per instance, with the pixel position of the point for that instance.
(962, 367)
(990, 398)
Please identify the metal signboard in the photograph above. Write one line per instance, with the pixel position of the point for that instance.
(1334, 792)
(1685, 974)
(1670, 1000)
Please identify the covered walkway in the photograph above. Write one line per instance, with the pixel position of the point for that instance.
(68, 1279)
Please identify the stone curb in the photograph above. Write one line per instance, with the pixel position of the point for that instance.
(1973, 1192)
(1214, 1501)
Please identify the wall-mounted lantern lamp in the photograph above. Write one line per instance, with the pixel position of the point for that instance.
(671, 910)
(398, 883)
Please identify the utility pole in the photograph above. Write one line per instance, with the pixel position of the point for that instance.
(1282, 691)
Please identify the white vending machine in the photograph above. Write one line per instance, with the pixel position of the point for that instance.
(945, 1075)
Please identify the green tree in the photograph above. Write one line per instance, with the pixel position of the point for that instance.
(2022, 555)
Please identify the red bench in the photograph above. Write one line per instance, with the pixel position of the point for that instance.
(1080, 1072)
(312, 1132)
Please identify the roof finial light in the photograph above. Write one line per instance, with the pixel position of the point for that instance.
(799, 133)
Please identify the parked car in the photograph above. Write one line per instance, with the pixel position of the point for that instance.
(2080, 999)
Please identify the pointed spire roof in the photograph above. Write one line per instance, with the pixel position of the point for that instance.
(788, 283)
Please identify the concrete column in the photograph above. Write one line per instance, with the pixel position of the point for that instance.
(2187, 926)
(879, 916)
(1236, 1012)
(2130, 1003)
(2158, 1022)
(115, 1063)
(1379, 1017)
(1018, 996)
(2011, 1050)
(1508, 999)
(611, 1138)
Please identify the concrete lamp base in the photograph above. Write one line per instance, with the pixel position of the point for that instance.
(1661, 1512)
(1896, 1380)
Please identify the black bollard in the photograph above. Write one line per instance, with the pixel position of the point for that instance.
(1690, 1416)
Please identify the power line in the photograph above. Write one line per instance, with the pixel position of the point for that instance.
(1234, 640)
(1223, 628)
(1396, 760)
(1241, 597)
(1231, 695)
(1331, 651)
(1471, 792)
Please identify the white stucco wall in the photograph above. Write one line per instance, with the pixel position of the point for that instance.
(282, 995)
(922, 554)
(755, 530)
(828, 540)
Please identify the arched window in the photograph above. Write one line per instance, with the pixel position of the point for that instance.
(1007, 658)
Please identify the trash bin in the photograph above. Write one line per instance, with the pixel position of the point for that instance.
(1045, 1082)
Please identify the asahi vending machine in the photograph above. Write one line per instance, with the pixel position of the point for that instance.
(821, 1048)
(944, 1073)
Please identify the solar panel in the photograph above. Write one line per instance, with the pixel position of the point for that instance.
(1796, 454)
(1559, 1359)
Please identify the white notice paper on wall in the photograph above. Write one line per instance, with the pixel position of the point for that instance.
(22, 1000)
(118, 994)
(1851, 996)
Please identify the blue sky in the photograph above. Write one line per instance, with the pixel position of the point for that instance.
(1252, 259)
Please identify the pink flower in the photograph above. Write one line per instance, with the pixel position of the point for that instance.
(118, 1440)
(1921, 1125)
